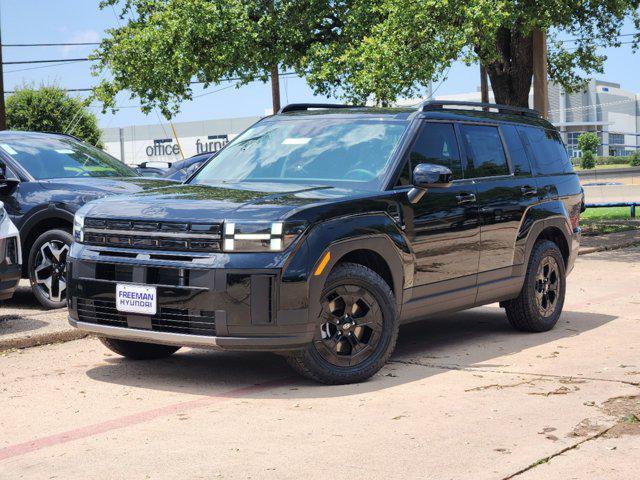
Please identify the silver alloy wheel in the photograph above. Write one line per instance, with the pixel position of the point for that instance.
(547, 286)
(51, 269)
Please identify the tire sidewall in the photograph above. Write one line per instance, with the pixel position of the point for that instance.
(61, 235)
(546, 249)
(389, 332)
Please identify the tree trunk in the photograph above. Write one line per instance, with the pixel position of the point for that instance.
(275, 89)
(511, 74)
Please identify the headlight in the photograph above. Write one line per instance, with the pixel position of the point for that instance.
(78, 227)
(245, 236)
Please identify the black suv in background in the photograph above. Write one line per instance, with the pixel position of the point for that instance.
(319, 230)
(44, 179)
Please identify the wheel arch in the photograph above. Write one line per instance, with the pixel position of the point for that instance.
(36, 225)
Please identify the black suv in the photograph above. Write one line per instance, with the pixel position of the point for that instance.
(44, 179)
(319, 230)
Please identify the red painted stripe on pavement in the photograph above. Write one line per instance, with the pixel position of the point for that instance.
(134, 419)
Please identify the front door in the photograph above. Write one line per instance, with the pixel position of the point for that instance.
(443, 227)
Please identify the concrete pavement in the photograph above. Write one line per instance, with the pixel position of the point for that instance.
(463, 397)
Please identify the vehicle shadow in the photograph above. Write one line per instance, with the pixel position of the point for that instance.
(23, 298)
(462, 339)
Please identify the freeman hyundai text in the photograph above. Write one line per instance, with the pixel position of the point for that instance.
(321, 229)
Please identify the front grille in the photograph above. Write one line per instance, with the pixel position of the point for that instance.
(173, 320)
(197, 237)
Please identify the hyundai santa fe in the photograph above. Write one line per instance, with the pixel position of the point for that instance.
(320, 230)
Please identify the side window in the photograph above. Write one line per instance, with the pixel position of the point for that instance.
(437, 144)
(485, 150)
(517, 152)
(547, 150)
(405, 174)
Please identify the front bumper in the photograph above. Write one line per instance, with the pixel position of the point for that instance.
(204, 300)
(10, 259)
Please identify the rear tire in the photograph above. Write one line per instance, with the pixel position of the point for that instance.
(540, 302)
(138, 350)
(357, 331)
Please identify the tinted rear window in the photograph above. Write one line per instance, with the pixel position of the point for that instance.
(485, 151)
(547, 150)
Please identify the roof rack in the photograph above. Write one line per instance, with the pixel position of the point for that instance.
(299, 107)
(441, 104)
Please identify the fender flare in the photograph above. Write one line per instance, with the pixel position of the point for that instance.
(51, 212)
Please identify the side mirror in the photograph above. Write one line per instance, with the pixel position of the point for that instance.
(428, 175)
(7, 181)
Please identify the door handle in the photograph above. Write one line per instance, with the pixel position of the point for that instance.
(465, 198)
(528, 191)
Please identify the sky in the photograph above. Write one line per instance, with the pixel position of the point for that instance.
(64, 21)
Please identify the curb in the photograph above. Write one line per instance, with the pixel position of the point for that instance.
(602, 248)
(37, 340)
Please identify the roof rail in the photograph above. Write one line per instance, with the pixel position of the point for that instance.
(298, 107)
(441, 104)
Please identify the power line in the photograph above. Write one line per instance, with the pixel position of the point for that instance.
(58, 60)
(69, 44)
(579, 39)
(39, 67)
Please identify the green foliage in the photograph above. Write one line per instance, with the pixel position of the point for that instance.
(588, 160)
(164, 45)
(588, 142)
(51, 109)
(360, 50)
(634, 160)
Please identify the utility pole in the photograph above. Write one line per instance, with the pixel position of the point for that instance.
(275, 89)
(540, 84)
(3, 112)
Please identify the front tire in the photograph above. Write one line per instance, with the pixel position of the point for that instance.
(138, 350)
(357, 329)
(47, 268)
(540, 302)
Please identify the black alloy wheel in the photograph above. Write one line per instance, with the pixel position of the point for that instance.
(352, 326)
(539, 305)
(357, 328)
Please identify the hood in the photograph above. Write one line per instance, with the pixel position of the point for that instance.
(213, 203)
(96, 187)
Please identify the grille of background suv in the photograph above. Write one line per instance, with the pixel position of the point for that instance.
(195, 237)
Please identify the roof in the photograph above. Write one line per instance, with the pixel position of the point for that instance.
(456, 111)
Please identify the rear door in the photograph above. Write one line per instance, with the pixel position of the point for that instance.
(506, 189)
(443, 226)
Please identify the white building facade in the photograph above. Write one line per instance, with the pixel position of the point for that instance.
(156, 143)
(604, 107)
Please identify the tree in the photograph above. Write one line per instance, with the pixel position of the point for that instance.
(359, 50)
(162, 46)
(51, 109)
(588, 144)
(393, 48)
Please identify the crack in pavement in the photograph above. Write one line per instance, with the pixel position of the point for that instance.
(559, 452)
(541, 375)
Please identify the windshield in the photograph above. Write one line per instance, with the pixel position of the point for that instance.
(58, 157)
(309, 150)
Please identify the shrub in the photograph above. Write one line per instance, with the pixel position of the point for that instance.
(588, 160)
(52, 109)
(634, 160)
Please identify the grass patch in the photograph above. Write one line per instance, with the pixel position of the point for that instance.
(578, 168)
(606, 213)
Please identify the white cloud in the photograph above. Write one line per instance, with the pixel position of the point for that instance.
(84, 36)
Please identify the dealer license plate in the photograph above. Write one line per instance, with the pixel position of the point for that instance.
(136, 299)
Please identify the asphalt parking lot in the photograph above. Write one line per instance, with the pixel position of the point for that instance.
(464, 396)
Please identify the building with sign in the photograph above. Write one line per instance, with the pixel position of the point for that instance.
(603, 107)
(155, 143)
